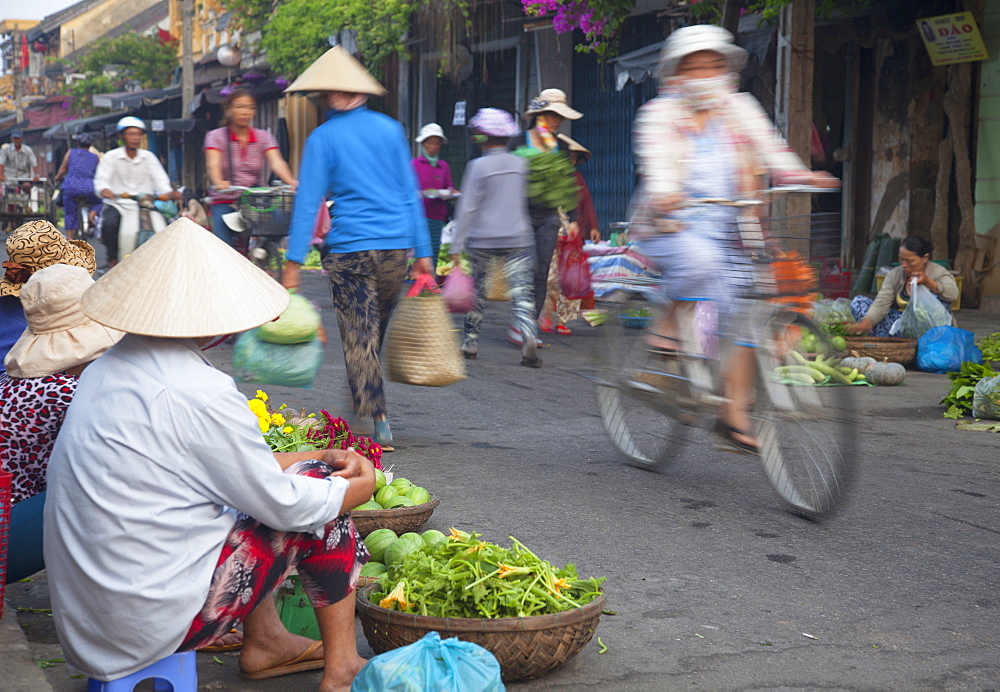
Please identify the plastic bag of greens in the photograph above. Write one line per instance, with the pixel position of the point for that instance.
(448, 665)
(296, 325)
(986, 398)
(286, 365)
(827, 311)
(923, 312)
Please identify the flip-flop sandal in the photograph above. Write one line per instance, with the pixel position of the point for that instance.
(216, 648)
(727, 443)
(300, 663)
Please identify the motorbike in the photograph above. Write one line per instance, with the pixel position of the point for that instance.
(140, 221)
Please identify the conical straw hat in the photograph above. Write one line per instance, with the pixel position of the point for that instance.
(337, 70)
(183, 283)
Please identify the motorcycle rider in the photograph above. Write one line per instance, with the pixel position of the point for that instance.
(130, 170)
(17, 160)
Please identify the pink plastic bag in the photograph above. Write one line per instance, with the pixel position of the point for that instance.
(574, 272)
(459, 291)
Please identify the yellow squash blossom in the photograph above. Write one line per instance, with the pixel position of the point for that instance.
(558, 585)
(288, 430)
(265, 423)
(507, 569)
(261, 395)
(278, 419)
(457, 535)
(398, 595)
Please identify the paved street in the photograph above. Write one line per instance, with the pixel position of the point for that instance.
(715, 586)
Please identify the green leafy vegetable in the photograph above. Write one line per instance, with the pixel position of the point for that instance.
(990, 346)
(963, 385)
(551, 182)
(469, 578)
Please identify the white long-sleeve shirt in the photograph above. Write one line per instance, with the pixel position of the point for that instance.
(140, 175)
(155, 449)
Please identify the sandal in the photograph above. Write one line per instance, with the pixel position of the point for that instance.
(302, 662)
(563, 330)
(727, 443)
(383, 436)
(216, 648)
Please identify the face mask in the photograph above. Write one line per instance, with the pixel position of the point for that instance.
(704, 94)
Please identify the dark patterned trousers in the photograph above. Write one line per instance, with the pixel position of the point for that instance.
(546, 238)
(365, 287)
(255, 560)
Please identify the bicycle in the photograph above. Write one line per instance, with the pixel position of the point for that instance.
(650, 404)
(265, 213)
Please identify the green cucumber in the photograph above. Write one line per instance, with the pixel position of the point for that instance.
(832, 372)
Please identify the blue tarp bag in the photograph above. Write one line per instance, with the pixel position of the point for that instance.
(944, 349)
(448, 665)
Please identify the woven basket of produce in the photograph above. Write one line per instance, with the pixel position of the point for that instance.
(525, 647)
(399, 520)
(895, 350)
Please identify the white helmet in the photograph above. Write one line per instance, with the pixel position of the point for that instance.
(130, 121)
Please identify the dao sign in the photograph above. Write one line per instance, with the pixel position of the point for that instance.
(952, 38)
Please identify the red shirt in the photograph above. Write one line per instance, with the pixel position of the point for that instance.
(242, 162)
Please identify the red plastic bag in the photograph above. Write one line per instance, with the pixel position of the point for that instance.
(574, 272)
(459, 291)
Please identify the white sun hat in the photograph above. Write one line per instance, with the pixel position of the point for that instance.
(430, 130)
(59, 336)
(337, 70)
(691, 39)
(552, 101)
(184, 283)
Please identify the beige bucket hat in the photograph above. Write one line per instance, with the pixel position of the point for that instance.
(575, 147)
(59, 336)
(552, 101)
(691, 39)
(337, 70)
(36, 245)
(184, 283)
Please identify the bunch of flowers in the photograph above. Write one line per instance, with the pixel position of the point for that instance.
(287, 430)
(597, 19)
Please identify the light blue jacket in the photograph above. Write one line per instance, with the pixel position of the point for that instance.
(359, 159)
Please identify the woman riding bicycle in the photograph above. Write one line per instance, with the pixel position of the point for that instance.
(237, 154)
(701, 139)
(77, 175)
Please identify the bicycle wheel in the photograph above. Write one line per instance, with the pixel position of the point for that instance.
(264, 252)
(635, 390)
(807, 433)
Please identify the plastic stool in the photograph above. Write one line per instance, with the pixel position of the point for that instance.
(178, 672)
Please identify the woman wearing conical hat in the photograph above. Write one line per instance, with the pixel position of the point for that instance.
(359, 159)
(168, 520)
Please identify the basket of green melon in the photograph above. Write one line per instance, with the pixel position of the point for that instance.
(386, 547)
(397, 504)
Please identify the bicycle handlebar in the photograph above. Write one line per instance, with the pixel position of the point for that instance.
(243, 188)
(754, 201)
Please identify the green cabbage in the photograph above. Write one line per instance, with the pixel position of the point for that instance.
(297, 324)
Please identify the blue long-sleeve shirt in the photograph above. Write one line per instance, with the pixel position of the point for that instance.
(359, 159)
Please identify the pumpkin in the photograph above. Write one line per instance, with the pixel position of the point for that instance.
(886, 374)
(856, 361)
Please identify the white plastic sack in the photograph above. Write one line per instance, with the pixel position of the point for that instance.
(922, 313)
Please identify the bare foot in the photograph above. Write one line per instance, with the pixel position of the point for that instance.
(262, 653)
(339, 679)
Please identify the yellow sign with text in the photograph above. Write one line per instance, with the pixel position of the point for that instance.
(952, 38)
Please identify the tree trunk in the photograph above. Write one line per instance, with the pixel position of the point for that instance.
(731, 16)
(942, 187)
(957, 107)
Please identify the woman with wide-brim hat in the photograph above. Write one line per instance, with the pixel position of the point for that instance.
(196, 520)
(701, 138)
(545, 115)
(42, 371)
(30, 247)
(360, 159)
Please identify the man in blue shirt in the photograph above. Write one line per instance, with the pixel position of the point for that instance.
(360, 159)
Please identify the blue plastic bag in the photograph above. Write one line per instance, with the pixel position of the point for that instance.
(286, 365)
(944, 349)
(449, 665)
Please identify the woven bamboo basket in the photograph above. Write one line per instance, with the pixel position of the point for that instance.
(364, 581)
(400, 520)
(525, 647)
(895, 350)
(421, 346)
(496, 281)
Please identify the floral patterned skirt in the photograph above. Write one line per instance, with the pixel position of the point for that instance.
(256, 559)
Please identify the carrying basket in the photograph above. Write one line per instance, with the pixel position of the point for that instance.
(421, 343)
(895, 350)
(267, 213)
(6, 481)
(400, 520)
(496, 287)
(526, 647)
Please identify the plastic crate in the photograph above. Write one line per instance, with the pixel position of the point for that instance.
(267, 213)
(6, 480)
